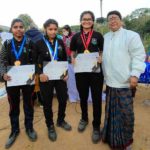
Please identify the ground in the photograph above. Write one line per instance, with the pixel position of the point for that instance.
(74, 140)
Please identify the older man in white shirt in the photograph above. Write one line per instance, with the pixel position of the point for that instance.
(123, 62)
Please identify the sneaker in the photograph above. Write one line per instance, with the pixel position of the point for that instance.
(11, 139)
(31, 134)
(96, 136)
(52, 133)
(82, 125)
(64, 125)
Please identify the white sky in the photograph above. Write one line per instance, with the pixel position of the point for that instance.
(64, 11)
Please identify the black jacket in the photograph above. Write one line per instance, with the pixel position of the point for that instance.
(44, 54)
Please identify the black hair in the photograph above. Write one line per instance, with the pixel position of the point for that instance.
(114, 12)
(48, 22)
(14, 21)
(67, 27)
(86, 12)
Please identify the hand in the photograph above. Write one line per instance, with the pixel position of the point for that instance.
(65, 78)
(99, 59)
(43, 78)
(6, 77)
(133, 81)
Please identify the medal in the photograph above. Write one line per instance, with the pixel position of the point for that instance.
(86, 51)
(86, 42)
(54, 53)
(19, 52)
(17, 63)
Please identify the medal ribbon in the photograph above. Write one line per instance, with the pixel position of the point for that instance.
(86, 42)
(54, 53)
(18, 54)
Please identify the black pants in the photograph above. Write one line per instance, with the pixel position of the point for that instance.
(95, 82)
(14, 101)
(47, 91)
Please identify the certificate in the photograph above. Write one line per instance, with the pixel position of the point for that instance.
(55, 70)
(21, 75)
(87, 62)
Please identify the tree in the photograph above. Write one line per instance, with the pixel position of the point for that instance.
(28, 21)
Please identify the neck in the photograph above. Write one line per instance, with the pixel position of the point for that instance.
(18, 38)
(87, 30)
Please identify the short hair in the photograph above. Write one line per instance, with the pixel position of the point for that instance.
(114, 12)
(48, 22)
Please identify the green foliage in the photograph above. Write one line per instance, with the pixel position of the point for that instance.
(28, 22)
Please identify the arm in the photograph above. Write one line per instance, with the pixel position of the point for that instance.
(137, 53)
(4, 63)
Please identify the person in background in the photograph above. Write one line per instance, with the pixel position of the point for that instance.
(71, 83)
(123, 46)
(35, 35)
(89, 41)
(15, 52)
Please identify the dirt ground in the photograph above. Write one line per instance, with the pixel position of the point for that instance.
(74, 140)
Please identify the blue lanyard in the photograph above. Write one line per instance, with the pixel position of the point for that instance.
(18, 54)
(54, 53)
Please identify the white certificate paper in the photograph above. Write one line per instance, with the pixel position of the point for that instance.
(21, 75)
(55, 69)
(86, 62)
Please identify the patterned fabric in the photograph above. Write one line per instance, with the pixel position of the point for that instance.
(119, 118)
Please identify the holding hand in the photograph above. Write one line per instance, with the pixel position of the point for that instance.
(43, 78)
(6, 77)
(133, 81)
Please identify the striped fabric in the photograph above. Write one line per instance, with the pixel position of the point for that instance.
(119, 118)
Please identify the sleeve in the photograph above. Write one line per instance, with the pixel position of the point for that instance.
(39, 60)
(3, 61)
(137, 52)
(64, 58)
(100, 42)
(34, 55)
(73, 43)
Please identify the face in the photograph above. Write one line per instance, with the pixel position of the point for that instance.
(18, 29)
(114, 22)
(87, 21)
(65, 32)
(51, 31)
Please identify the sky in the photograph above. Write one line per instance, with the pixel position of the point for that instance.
(64, 11)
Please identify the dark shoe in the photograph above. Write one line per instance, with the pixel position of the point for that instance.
(31, 134)
(82, 125)
(11, 139)
(52, 133)
(64, 125)
(96, 136)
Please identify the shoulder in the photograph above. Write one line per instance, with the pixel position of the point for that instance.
(76, 35)
(130, 33)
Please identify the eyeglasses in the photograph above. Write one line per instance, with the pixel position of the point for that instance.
(113, 19)
(87, 19)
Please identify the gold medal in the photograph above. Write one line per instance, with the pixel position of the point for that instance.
(17, 63)
(86, 51)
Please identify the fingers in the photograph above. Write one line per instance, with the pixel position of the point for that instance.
(6, 77)
(44, 78)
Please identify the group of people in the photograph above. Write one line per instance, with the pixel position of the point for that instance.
(121, 60)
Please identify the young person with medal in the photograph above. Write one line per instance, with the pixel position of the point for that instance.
(88, 41)
(15, 52)
(50, 48)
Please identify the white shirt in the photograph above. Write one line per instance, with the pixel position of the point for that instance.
(123, 56)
